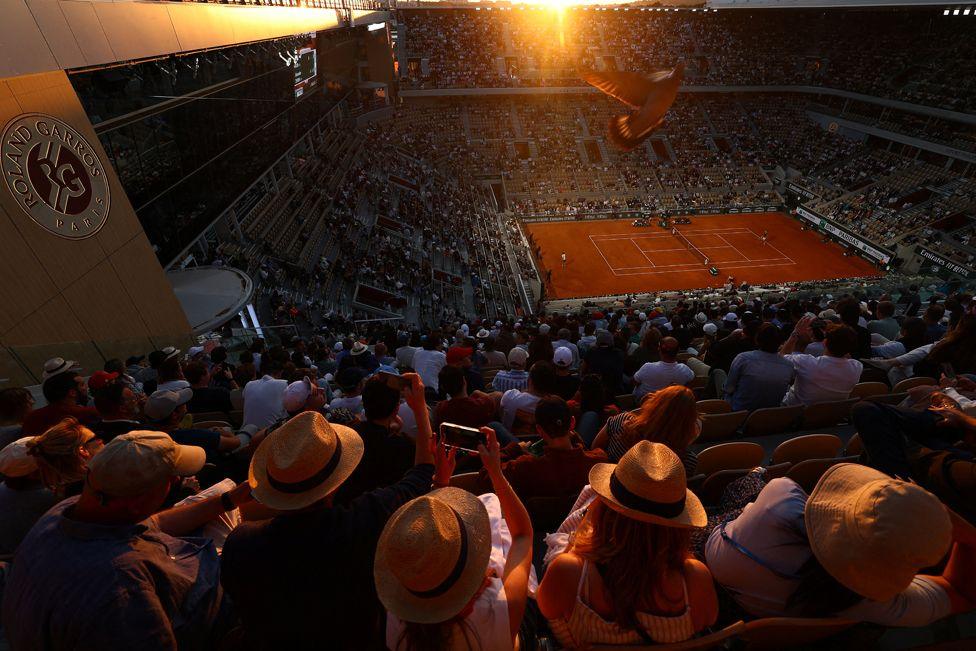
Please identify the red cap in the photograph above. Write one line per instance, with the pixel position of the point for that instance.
(456, 354)
(101, 379)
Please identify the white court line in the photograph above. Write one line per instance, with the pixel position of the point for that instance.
(642, 253)
(745, 258)
(626, 236)
(597, 247)
(783, 260)
(731, 265)
(768, 244)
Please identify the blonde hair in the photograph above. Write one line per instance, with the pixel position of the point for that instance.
(633, 557)
(58, 453)
(668, 416)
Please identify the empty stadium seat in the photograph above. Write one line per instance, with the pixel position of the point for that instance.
(810, 446)
(827, 414)
(730, 456)
(855, 446)
(714, 407)
(867, 389)
(718, 427)
(912, 382)
(772, 420)
(807, 473)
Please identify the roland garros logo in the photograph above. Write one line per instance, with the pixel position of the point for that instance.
(55, 175)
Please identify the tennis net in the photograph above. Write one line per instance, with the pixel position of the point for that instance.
(688, 245)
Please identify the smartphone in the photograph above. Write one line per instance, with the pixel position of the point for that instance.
(461, 437)
(394, 381)
(536, 449)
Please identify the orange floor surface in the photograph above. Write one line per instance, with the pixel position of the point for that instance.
(612, 257)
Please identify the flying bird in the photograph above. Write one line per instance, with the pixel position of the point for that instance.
(651, 95)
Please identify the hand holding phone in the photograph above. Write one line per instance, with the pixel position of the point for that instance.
(394, 381)
(466, 439)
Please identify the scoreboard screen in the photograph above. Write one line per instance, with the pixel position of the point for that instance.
(305, 65)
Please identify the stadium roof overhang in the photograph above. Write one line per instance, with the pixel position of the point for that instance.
(210, 296)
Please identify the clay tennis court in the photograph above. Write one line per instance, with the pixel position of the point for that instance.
(612, 257)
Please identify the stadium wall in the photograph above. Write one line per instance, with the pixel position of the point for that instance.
(79, 282)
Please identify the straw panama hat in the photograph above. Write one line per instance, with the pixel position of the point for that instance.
(864, 527)
(302, 461)
(648, 484)
(432, 556)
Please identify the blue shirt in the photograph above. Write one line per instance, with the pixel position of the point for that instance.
(758, 379)
(77, 585)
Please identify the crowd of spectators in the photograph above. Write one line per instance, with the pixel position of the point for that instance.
(328, 488)
(914, 56)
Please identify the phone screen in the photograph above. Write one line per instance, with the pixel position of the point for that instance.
(461, 437)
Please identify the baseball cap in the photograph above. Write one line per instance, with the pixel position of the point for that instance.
(296, 394)
(337, 347)
(710, 328)
(518, 357)
(136, 462)
(14, 459)
(456, 354)
(101, 379)
(544, 329)
(563, 357)
(731, 316)
(193, 351)
(58, 365)
(642, 316)
(162, 403)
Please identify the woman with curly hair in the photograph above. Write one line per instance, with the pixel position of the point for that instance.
(668, 416)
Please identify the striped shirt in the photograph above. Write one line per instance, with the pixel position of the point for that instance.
(505, 380)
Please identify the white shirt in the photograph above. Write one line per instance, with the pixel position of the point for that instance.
(657, 375)
(514, 400)
(262, 401)
(821, 379)
(172, 385)
(489, 618)
(428, 363)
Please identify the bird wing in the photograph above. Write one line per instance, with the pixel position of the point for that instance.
(631, 88)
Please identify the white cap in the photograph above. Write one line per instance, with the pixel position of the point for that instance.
(498, 324)
(193, 351)
(337, 347)
(14, 459)
(642, 316)
(731, 316)
(544, 329)
(465, 329)
(296, 394)
(518, 357)
(710, 328)
(563, 357)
